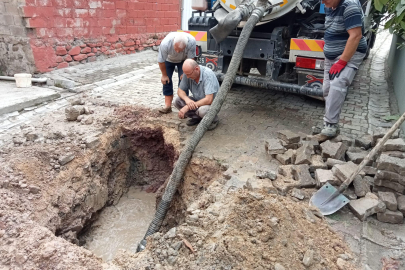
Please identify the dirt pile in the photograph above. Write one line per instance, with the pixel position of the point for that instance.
(244, 230)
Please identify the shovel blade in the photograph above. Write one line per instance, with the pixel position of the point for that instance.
(322, 195)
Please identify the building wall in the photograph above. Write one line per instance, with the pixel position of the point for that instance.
(15, 50)
(65, 33)
(396, 63)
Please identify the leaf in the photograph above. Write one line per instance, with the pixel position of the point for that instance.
(391, 117)
(389, 23)
(400, 9)
(384, 2)
(378, 6)
(402, 25)
(187, 243)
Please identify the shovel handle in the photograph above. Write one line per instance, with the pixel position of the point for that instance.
(372, 153)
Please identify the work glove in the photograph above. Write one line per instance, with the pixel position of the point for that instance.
(336, 68)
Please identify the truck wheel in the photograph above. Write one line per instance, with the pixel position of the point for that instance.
(370, 44)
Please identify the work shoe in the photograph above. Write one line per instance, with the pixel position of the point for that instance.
(193, 121)
(330, 130)
(165, 110)
(213, 125)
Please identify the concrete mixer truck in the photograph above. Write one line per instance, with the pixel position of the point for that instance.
(285, 49)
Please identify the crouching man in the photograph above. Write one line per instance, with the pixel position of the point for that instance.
(203, 84)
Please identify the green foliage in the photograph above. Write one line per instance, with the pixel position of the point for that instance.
(392, 14)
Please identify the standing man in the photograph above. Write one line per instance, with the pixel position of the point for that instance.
(345, 48)
(203, 84)
(174, 49)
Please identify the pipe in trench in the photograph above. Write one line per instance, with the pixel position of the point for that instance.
(274, 85)
(185, 156)
(36, 80)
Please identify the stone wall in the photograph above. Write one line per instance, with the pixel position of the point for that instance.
(64, 33)
(15, 50)
(396, 63)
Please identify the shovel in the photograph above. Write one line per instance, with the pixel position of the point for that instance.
(328, 199)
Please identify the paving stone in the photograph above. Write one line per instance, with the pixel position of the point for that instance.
(333, 150)
(288, 136)
(394, 145)
(361, 186)
(260, 185)
(369, 180)
(389, 184)
(298, 193)
(364, 141)
(317, 163)
(366, 206)
(369, 170)
(390, 176)
(357, 155)
(389, 199)
(396, 154)
(91, 141)
(401, 203)
(304, 154)
(394, 217)
(344, 139)
(287, 158)
(377, 189)
(293, 146)
(274, 147)
(302, 175)
(326, 176)
(379, 132)
(262, 174)
(397, 165)
(344, 171)
(350, 193)
(330, 162)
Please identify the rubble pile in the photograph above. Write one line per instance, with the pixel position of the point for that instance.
(310, 161)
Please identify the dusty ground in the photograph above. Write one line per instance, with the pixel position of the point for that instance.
(47, 203)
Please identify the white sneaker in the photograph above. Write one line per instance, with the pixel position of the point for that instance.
(330, 130)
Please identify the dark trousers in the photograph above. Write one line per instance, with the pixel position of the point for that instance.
(168, 87)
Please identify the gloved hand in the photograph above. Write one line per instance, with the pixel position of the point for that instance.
(336, 69)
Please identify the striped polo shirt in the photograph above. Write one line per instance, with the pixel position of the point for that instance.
(347, 15)
(207, 84)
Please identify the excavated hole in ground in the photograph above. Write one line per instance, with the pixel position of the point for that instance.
(132, 168)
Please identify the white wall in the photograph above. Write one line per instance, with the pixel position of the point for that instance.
(186, 14)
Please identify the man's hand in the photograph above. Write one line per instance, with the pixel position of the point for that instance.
(191, 104)
(336, 68)
(183, 111)
(165, 79)
(181, 77)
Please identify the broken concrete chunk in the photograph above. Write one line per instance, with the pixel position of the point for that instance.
(368, 170)
(390, 176)
(326, 176)
(369, 180)
(392, 164)
(260, 185)
(361, 186)
(366, 206)
(91, 141)
(171, 233)
(394, 217)
(304, 154)
(396, 154)
(72, 113)
(333, 150)
(344, 171)
(274, 147)
(376, 189)
(288, 136)
(266, 174)
(302, 175)
(292, 146)
(298, 193)
(332, 162)
(66, 158)
(379, 132)
(389, 184)
(286, 158)
(389, 199)
(364, 141)
(394, 145)
(357, 155)
(350, 194)
(401, 203)
(317, 163)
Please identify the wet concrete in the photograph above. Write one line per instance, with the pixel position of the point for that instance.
(121, 226)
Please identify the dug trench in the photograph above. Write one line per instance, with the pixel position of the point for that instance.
(208, 226)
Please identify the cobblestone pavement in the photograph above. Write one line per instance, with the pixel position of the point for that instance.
(247, 118)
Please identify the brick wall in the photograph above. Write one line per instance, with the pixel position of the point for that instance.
(15, 50)
(64, 33)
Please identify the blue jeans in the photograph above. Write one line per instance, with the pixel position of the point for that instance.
(168, 87)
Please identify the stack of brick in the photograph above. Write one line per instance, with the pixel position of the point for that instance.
(389, 182)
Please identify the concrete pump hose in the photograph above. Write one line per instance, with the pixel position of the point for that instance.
(185, 156)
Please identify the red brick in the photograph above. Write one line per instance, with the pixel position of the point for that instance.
(64, 32)
(80, 57)
(81, 3)
(92, 59)
(112, 39)
(44, 32)
(96, 32)
(62, 3)
(121, 13)
(44, 57)
(75, 51)
(158, 42)
(150, 29)
(119, 50)
(83, 46)
(30, 11)
(44, 3)
(108, 5)
(59, 22)
(63, 65)
(90, 54)
(106, 44)
(99, 44)
(80, 32)
(68, 47)
(120, 30)
(68, 58)
(105, 22)
(132, 48)
(86, 50)
(120, 5)
(112, 47)
(94, 50)
(60, 50)
(76, 22)
(132, 29)
(81, 13)
(64, 12)
(36, 22)
(92, 12)
(118, 45)
(30, 3)
(103, 49)
(140, 48)
(129, 43)
(109, 13)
